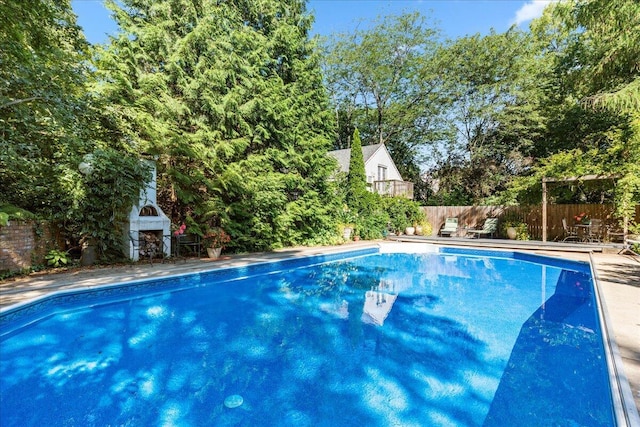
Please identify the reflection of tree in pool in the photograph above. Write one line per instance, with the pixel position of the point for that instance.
(340, 351)
(174, 358)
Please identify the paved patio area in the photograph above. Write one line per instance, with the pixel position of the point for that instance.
(619, 277)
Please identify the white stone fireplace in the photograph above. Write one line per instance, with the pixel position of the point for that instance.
(149, 228)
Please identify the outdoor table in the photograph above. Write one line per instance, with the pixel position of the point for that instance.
(586, 234)
(584, 231)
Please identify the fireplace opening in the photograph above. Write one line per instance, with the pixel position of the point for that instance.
(149, 228)
(149, 244)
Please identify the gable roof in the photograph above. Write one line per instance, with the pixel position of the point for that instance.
(344, 156)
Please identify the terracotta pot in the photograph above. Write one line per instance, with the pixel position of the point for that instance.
(512, 233)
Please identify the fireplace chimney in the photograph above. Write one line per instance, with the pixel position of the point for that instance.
(148, 222)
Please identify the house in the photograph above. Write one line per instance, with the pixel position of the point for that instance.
(381, 172)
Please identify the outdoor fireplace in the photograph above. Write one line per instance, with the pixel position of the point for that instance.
(149, 232)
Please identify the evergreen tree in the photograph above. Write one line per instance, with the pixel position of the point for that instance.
(229, 96)
(356, 179)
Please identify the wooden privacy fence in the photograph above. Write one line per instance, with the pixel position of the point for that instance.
(474, 216)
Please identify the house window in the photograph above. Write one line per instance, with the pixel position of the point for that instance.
(382, 173)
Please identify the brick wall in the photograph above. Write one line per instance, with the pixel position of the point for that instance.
(24, 244)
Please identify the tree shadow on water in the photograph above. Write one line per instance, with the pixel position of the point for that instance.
(557, 374)
(414, 370)
(294, 346)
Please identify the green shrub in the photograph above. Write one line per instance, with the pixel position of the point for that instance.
(427, 228)
(402, 212)
(56, 258)
(372, 225)
(522, 231)
(512, 219)
(11, 212)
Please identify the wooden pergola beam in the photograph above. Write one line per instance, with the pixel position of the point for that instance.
(581, 178)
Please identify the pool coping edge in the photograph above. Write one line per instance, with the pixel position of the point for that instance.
(623, 402)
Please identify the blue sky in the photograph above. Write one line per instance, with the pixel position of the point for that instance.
(455, 18)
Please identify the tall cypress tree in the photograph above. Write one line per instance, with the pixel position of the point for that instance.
(357, 180)
(229, 95)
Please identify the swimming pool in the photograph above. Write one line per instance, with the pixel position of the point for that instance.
(444, 337)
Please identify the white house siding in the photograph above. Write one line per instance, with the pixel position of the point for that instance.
(381, 158)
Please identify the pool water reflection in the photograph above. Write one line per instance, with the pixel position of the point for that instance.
(379, 340)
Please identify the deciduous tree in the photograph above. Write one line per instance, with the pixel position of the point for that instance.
(591, 97)
(489, 81)
(383, 82)
(44, 107)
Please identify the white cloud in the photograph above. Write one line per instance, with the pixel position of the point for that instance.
(531, 10)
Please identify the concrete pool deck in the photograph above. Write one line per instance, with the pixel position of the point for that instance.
(618, 275)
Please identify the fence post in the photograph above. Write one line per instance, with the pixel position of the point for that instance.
(544, 209)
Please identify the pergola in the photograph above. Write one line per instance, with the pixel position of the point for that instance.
(546, 180)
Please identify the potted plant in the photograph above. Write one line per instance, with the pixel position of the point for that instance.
(416, 219)
(514, 228)
(215, 240)
(423, 228)
(347, 221)
(583, 218)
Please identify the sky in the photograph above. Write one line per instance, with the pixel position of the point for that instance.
(455, 18)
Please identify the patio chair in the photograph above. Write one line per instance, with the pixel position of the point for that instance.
(614, 234)
(450, 227)
(191, 242)
(570, 233)
(595, 230)
(488, 228)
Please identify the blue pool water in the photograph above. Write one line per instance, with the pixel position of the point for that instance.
(450, 338)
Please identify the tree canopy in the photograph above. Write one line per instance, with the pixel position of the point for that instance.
(239, 105)
(229, 96)
(589, 98)
(382, 80)
(491, 111)
(50, 119)
(43, 102)
(498, 111)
